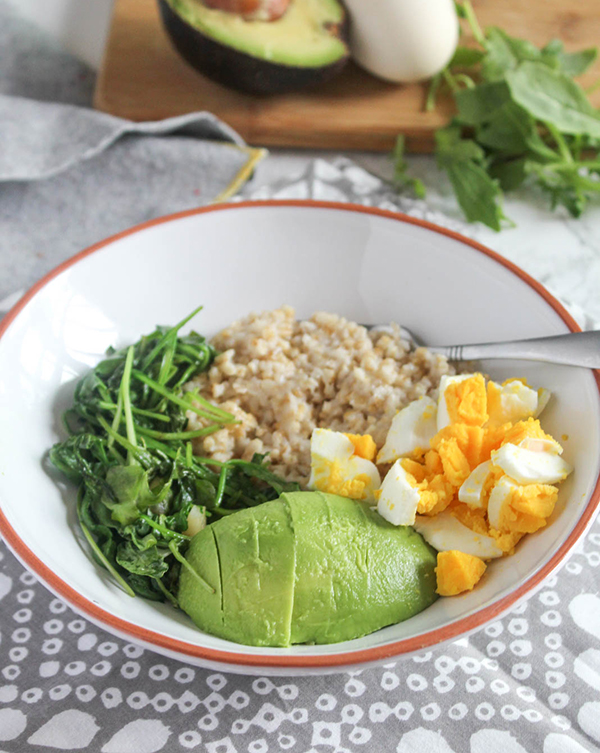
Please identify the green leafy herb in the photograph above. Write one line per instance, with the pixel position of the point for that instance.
(401, 178)
(520, 119)
(131, 453)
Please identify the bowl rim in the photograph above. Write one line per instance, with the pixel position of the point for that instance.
(376, 654)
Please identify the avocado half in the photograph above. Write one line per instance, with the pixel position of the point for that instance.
(307, 45)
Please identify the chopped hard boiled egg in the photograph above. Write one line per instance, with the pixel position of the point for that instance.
(452, 401)
(512, 400)
(472, 490)
(444, 533)
(337, 468)
(530, 467)
(399, 498)
(520, 508)
(457, 572)
(412, 429)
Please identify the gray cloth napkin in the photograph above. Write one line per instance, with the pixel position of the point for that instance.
(71, 176)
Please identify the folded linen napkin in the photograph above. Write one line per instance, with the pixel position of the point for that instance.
(70, 176)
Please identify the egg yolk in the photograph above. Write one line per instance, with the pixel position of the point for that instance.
(466, 401)
(364, 445)
(457, 572)
(331, 478)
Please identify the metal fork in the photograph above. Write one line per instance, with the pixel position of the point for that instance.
(572, 349)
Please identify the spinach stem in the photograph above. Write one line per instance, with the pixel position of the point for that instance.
(166, 593)
(563, 149)
(165, 338)
(126, 395)
(116, 418)
(101, 556)
(166, 532)
(168, 435)
(211, 412)
(476, 29)
(221, 486)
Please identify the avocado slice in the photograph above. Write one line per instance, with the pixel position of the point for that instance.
(306, 568)
(255, 552)
(307, 45)
(355, 572)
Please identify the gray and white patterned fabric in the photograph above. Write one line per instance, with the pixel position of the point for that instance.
(527, 683)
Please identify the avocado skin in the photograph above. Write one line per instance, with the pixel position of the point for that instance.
(306, 568)
(238, 70)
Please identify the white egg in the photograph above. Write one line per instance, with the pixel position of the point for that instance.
(501, 493)
(517, 402)
(471, 492)
(443, 417)
(399, 498)
(445, 533)
(530, 467)
(411, 429)
(334, 467)
(402, 40)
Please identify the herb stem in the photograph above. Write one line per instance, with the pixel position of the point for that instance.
(563, 149)
(183, 435)
(166, 532)
(126, 396)
(221, 486)
(211, 412)
(476, 29)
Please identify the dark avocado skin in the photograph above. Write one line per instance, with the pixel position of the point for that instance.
(237, 70)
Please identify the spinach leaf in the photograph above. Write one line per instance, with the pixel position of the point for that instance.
(463, 160)
(553, 97)
(132, 456)
(478, 105)
(571, 63)
(504, 53)
(521, 119)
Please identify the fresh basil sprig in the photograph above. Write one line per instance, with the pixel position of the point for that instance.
(130, 451)
(520, 117)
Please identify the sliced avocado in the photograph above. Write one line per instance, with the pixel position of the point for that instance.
(355, 572)
(306, 568)
(307, 45)
(257, 557)
(205, 608)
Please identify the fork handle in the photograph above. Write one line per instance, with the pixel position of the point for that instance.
(573, 349)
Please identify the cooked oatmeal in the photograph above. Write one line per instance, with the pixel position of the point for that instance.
(281, 378)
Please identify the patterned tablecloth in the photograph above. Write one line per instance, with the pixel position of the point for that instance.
(529, 682)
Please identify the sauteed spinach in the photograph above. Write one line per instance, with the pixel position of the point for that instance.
(140, 485)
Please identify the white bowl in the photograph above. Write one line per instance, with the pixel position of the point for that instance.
(369, 265)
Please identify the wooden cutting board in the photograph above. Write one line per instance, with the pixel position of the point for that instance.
(143, 78)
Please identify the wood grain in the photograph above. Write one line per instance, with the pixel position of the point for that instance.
(143, 78)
